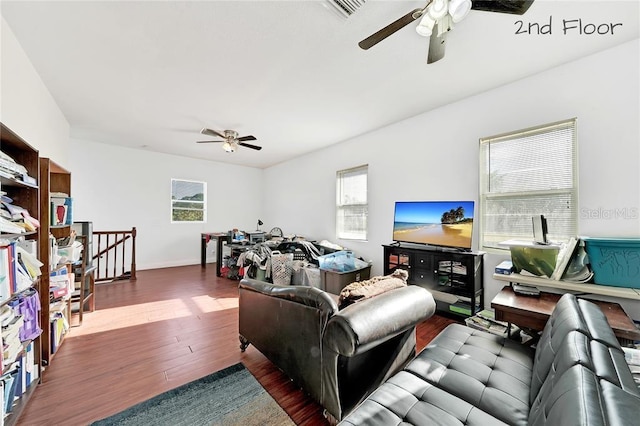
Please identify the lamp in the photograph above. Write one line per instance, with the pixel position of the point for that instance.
(259, 223)
(228, 146)
(436, 10)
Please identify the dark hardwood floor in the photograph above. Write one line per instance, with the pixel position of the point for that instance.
(170, 327)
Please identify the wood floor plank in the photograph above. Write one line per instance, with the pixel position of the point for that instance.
(170, 327)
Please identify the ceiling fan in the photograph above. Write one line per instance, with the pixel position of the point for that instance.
(230, 141)
(438, 17)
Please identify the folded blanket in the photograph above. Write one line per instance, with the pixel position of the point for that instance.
(372, 287)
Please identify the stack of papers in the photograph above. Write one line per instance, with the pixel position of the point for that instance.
(485, 321)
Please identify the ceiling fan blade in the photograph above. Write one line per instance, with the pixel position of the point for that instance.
(436, 47)
(208, 141)
(248, 145)
(246, 138)
(516, 7)
(396, 25)
(210, 132)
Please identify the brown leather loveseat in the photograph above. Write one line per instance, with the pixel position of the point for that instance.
(337, 356)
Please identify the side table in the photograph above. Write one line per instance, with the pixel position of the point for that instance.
(533, 313)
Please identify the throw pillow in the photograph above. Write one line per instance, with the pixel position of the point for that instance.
(362, 290)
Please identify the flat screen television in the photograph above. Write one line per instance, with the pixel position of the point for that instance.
(436, 223)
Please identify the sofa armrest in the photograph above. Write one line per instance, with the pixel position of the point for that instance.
(368, 323)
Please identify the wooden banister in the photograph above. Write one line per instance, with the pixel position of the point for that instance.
(111, 255)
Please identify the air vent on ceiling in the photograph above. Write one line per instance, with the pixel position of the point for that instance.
(345, 8)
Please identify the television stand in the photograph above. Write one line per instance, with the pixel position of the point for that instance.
(453, 277)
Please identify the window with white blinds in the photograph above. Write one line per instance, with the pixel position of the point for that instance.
(526, 173)
(188, 201)
(351, 203)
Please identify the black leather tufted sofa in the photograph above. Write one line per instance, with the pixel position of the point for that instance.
(337, 356)
(577, 375)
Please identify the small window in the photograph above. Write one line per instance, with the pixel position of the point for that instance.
(525, 173)
(188, 201)
(351, 204)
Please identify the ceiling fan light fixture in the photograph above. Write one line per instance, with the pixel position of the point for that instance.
(425, 27)
(459, 9)
(437, 9)
(228, 146)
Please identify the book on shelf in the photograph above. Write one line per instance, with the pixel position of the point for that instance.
(29, 261)
(505, 267)
(564, 257)
(10, 227)
(9, 378)
(28, 179)
(61, 210)
(5, 279)
(460, 308)
(10, 166)
(8, 270)
(16, 219)
(6, 315)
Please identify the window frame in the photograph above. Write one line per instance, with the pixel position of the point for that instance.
(174, 201)
(562, 231)
(342, 232)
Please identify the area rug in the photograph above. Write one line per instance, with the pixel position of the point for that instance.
(228, 397)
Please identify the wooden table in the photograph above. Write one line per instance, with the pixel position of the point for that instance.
(221, 238)
(533, 312)
(221, 241)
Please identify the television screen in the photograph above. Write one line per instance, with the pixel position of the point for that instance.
(438, 223)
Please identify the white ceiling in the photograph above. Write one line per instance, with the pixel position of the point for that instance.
(151, 74)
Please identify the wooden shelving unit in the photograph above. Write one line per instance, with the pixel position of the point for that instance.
(53, 178)
(25, 195)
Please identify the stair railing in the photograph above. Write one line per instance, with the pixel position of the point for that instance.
(114, 250)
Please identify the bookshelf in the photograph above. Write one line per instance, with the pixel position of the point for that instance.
(26, 195)
(53, 178)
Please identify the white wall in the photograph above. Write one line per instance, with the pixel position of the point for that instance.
(119, 188)
(434, 156)
(26, 106)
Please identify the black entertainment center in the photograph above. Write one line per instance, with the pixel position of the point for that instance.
(453, 276)
(432, 241)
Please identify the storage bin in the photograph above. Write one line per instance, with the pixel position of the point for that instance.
(333, 281)
(614, 261)
(534, 258)
(72, 253)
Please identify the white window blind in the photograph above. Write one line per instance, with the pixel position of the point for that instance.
(188, 201)
(351, 203)
(526, 173)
